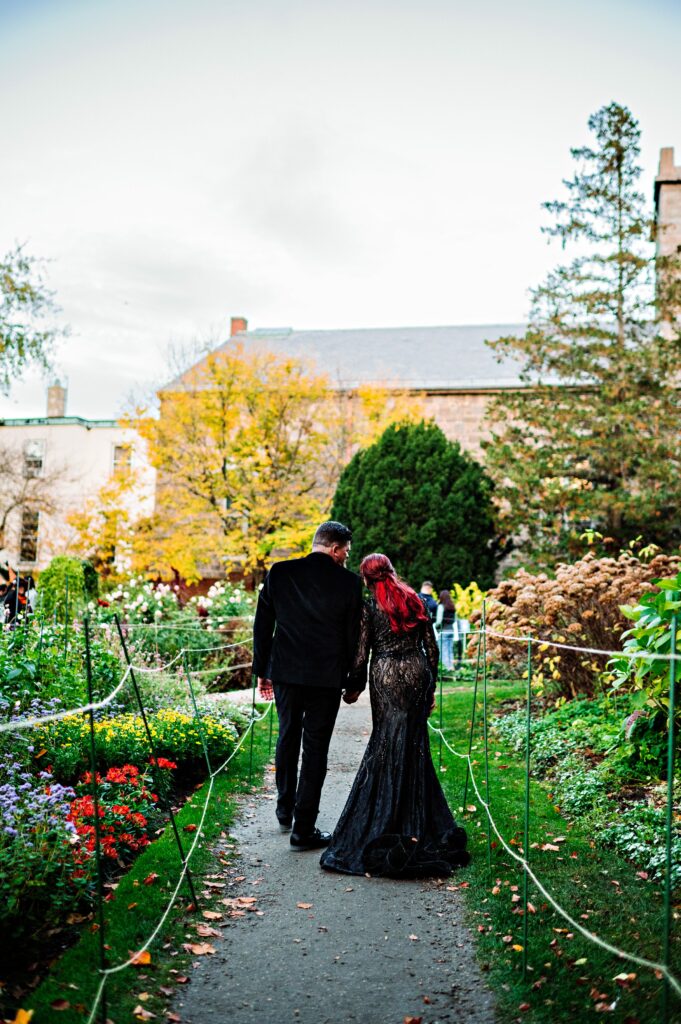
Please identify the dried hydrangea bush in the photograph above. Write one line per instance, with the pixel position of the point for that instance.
(580, 606)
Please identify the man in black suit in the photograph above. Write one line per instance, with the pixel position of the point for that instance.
(304, 637)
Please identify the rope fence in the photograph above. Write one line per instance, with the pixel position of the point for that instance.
(106, 970)
(663, 969)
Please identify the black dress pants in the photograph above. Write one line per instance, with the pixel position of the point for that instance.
(307, 714)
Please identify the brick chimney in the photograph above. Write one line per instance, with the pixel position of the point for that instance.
(238, 325)
(56, 401)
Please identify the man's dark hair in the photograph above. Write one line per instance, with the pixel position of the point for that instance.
(332, 533)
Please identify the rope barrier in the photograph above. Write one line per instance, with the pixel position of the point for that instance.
(614, 950)
(56, 716)
(632, 655)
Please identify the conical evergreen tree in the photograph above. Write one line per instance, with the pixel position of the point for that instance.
(418, 498)
(593, 439)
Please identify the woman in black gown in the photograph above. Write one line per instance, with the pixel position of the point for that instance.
(396, 821)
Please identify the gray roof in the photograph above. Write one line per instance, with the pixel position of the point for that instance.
(423, 358)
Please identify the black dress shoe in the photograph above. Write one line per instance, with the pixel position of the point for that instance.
(311, 841)
(285, 824)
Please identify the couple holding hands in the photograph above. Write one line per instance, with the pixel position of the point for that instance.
(315, 640)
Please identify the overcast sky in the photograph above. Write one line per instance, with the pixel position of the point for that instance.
(302, 163)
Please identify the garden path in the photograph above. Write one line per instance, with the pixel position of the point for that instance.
(367, 950)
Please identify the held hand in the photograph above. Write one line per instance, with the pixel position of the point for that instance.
(265, 689)
(350, 696)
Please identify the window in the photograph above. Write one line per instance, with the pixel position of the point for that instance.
(28, 546)
(34, 457)
(122, 457)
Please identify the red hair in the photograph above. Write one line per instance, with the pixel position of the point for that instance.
(401, 604)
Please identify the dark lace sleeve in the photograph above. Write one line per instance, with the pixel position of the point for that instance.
(432, 650)
(357, 677)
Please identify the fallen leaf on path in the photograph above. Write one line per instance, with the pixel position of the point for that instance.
(213, 915)
(305, 906)
(174, 1017)
(198, 948)
(206, 931)
(413, 1020)
(414, 938)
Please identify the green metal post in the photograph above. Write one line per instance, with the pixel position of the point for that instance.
(484, 728)
(526, 839)
(199, 723)
(269, 742)
(250, 761)
(668, 907)
(440, 674)
(95, 802)
(162, 794)
(470, 734)
(66, 617)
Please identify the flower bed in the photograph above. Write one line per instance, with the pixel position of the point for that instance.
(122, 739)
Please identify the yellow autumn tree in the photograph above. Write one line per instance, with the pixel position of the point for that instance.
(248, 446)
(109, 531)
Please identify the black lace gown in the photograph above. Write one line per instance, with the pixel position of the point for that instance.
(396, 821)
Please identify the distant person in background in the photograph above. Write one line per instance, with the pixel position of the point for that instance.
(463, 628)
(446, 628)
(15, 603)
(426, 595)
(31, 594)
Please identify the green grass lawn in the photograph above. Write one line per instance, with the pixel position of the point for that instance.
(570, 977)
(139, 902)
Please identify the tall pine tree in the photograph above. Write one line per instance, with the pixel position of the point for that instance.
(418, 498)
(592, 439)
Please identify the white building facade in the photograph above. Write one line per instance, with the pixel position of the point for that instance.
(53, 466)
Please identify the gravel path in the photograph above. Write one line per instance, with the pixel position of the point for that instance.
(370, 951)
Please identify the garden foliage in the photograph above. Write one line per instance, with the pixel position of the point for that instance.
(580, 606)
(67, 585)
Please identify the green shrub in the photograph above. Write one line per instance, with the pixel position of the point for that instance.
(65, 588)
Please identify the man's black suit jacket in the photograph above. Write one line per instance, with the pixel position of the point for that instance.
(307, 622)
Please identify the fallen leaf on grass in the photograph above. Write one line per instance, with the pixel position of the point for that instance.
(517, 948)
(189, 828)
(143, 1014)
(198, 948)
(181, 979)
(531, 908)
(23, 1017)
(150, 879)
(212, 915)
(138, 959)
(550, 846)
(642, 874)
(131, 906)
(524, 1007)
(624, 978)
(206, 931)
(507, 938)
(305, 906)
(60, 1004)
